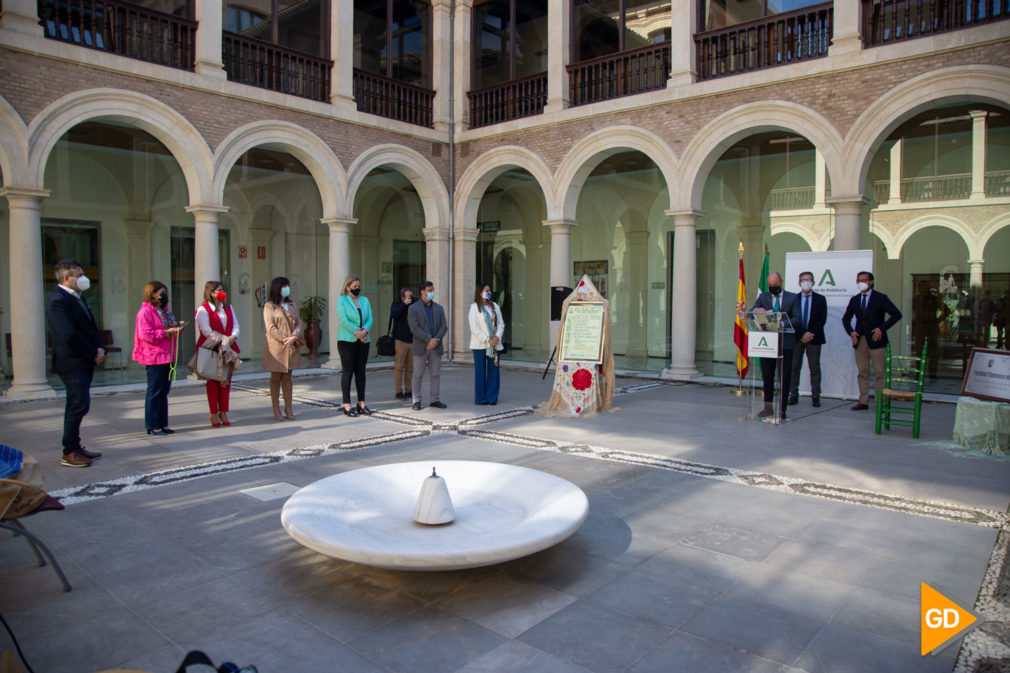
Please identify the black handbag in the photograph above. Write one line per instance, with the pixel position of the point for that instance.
(386, 345)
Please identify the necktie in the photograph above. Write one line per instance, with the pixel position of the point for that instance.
(806, 310)
(776, 304)
(87, 309)
(864, 303)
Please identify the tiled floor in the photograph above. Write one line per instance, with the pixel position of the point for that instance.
(712, 544)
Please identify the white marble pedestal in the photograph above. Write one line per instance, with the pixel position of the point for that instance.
(503, 512)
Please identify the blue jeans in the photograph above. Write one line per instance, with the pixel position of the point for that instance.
(156, 402)
(486, 380)
(78, 385)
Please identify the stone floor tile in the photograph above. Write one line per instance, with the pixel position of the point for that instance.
(641, 595)
(786, 589)
(516, 657)
(614, 540)
(595, 637)
(706, 570)
(734, 541)
(840, 649)
(505, 605)
(687, 652)
(847, 565)
(884, 614)
(566, 569)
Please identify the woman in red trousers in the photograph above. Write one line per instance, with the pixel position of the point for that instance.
(216, 318)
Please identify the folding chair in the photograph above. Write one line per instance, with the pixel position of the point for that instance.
(903, 387)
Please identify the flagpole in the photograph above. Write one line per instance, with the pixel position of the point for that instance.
(741, 292)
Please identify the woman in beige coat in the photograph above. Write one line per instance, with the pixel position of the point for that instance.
(284, 340)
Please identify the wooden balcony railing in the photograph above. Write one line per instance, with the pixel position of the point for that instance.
(792, 198)
(392, 98)
(622, 74)
(270, 66)
(997, 183)
(121, 28)
(887, 21)
(764, 43)
(511, 100)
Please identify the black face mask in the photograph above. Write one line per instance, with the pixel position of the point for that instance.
(775, 289)
(163, 299)
(356, 291)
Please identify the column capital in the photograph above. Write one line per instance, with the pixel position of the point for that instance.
(441, 5)
(978, 114)
(682, 218)
(334, 222)
(203, 208)
(467, 235)
(853, 200)
(559, 224)
(976, 262)
(23, 193)
(435, 234)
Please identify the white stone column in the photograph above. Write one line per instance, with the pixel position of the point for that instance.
(21, 16)
(210, 16)
(638, 293)
(847, 38)
(820, 180)
(848, 221)
(466, 280)
(978, 138)
(207, 262)
(897, 157)
(561, 262)
(559, 54)
(684, 305)
(28, 331)
(342, 55)
(340, 267)
(975, 275)
(464, 60)
(441, 53)
(139, 271)
(683, 57)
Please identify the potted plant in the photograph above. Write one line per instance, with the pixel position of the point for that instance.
(311, 310)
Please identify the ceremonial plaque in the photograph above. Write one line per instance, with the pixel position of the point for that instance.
(988, 375)
(582, 335)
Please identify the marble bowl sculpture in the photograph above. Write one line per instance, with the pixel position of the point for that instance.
(502, 512)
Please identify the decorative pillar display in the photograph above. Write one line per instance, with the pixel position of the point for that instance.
(559, 54)
(28, 332)
(848, 221)
(684, 305)
(978, 138)
(434, 506)
(683, 19)
(340, 267)
(897, 156)
(466, 273)
(208, 14)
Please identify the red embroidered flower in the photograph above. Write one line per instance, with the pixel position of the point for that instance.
(578, 410)
(582, 379)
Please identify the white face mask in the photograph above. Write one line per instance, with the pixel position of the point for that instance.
(863, 287)
(83, 283)
(486, 295)
(806, 285)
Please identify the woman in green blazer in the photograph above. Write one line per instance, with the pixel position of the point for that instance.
(354, 315)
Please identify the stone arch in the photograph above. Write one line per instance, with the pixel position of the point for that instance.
(13, 145)
(746, 120)
(594, 148)
(988, 231)
(982, 83)
(817, 238)
(308, 148)
(170, 128)
(482, 172)
(895, 241)
(409, 163)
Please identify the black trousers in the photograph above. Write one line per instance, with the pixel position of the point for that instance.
(353, 358)
(768, 369)
(813, 353)
(78, 385)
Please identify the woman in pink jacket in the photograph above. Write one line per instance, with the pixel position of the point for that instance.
(154, 345)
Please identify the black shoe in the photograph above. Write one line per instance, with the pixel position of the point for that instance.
(365, 411)
(417, 406)
(765, 413)
(353, 411)
(492, 403)
(816, 401)
(407, 395)
(399, 396)
(90, 455)
(159, 431)
(437, 404)
(168, 431)
(794, 399)
(859, 407)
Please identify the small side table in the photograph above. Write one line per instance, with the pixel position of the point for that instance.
(982, 424)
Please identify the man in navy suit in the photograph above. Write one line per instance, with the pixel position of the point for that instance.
(77, 348)
(810, 328)
(875, 314)
(777, 300)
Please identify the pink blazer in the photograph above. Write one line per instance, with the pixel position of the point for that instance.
(151, 343)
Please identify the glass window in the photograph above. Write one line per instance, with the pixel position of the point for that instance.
(370, 36)
(76, 240)
(601, 27)
(716, 14)
(391, 39)
(510, 41)
(409, 33)
(295, 24)
(531, 39)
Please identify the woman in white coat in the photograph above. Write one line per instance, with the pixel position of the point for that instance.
(486, 329)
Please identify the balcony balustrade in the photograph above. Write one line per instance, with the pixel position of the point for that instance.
(392, 98)
(943, 187)
(792, 198)
(270, 66)
(887, 21)
(121, 28)
(510, 100)
(997, 183)
(776, 40)
(622, 74)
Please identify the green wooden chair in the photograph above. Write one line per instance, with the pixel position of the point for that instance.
(902, 393)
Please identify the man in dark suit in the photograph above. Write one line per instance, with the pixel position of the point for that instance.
(810, 328)
(777, 300)
(77, 348)
(428, 326)
(875, 314)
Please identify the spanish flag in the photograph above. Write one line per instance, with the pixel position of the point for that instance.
(740, 328)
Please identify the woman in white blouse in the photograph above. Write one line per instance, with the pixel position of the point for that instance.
(216, 318)
(486, 329)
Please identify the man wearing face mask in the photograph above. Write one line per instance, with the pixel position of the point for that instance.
(810, 331)
(77, 348)
(875, 314)
(428, 326)
(777, 300)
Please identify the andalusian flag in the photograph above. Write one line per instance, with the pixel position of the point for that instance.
(763, 278)
(740, 328)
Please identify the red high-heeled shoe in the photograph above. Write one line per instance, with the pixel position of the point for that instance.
(224, 418)
(215, 421)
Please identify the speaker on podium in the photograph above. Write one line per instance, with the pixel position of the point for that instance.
(558, 296)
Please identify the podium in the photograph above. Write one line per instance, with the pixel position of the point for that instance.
(766, 334)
